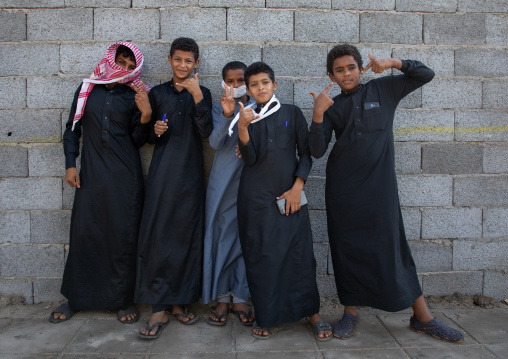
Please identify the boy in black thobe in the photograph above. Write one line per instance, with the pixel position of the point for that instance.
(277, 248)
(170, 251)
(372, 261)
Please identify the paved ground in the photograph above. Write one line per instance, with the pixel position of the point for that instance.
(25, 332)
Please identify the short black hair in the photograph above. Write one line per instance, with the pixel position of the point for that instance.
(233, 65)
(125, 52)
(343, 50)
(257, 68)
(185, 44)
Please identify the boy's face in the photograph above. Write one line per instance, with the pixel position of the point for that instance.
(261, 87)
(346, 73)
(125, 62)
(182, 64)
(234, 78)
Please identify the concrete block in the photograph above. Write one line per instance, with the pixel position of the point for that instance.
(452, 93)
(446, 283)
(143, 24)
(14, 227)
(304, 86)
(67, 196)
(450, 158)
(495, 284)
(481, 62)
(204, 24)
(12, 26)
(441, 60)
(423, 125)
(454, 29)
(163, 3)
(214, 55)
(483, 6)
(20, 59)
(413, 100)
(319, 226)
(146, 157)
(392, 25)
(232, 3)
(30, 126)
(326, 286)
(495, 94)
(15, 288)
(156, 60)
(432, 256)
(408, 158)
(20, 260)
(480, 191)
(426, 5)
(495, 159)
(12, 93)
(412, 218)
(495, 222)
(363, 4)
(13, 161)
(451, 223)
(47, 290)
(60, 24)
(312, 4)
(415, 191)
(484, 126)
(497, 29)
(46, 160)
(98, 3)
(51, 92)
(327, 26)
(477, 255)
(285, 90)
(250, 25)
(30, 193)
(289, 60)
(321, 254)
(31, 3)
(315, 190)
(50, 227)
(82, 57)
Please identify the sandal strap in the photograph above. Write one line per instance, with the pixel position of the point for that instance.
(220, 316)
(155, 325)
(321, 325)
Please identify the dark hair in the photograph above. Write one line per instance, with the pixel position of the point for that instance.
(342, 50)
(257, 68)
(233, 65)
(125, 52)
(185, 44)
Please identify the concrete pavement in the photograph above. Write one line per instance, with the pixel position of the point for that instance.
(26, 333)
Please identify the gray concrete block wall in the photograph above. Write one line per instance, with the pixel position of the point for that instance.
(451, 153)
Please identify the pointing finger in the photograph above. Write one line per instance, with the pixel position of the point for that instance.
(226, 88)
(313, 94)
(328, 88)
(135, 88)
(367, 67)
(143, 88)
(372, 57)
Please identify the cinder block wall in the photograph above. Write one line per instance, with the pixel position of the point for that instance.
(451, 136)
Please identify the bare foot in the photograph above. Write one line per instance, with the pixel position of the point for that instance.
(60, 316)
(220, 308)
(244, 308)
(261, 331)
(156, 317)
(322, 333)
(128, 317)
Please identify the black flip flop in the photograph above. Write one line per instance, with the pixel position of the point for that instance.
(130, 310)
(149, 328)
(246, 315)
(64, 309)
(218, 322)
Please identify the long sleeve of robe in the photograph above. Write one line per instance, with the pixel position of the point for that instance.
(100, 269)
(170, 251)
(372, 261)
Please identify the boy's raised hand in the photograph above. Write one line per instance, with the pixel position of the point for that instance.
(247, 115)
(142, 102)
(322, 101)
(378, 64)
(192, 85)
(228, 102)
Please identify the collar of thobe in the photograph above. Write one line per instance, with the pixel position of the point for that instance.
(265, 112)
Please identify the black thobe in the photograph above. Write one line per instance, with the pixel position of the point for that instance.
(100, 270)
(277, 249)
(372, 261)
(170, 250)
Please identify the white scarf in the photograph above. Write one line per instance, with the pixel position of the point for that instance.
(262, 114)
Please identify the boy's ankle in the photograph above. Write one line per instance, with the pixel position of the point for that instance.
(351, 310)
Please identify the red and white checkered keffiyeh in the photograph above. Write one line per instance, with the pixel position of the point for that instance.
(107, 72)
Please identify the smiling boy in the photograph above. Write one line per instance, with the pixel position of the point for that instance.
(170, 247)
(371, 258)
(277, 248)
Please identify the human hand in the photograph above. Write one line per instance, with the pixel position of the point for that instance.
(191, 84)
(228, 102)
(293, 198)
(378, 64)
(322, 101)
(160, 127)
(72, 177)
(142, 101)
(247, 115)
(238, 154)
